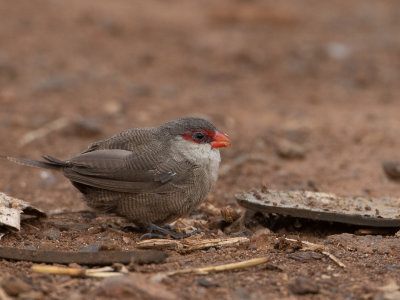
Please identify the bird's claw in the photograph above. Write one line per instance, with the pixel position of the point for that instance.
(164, 233)
(151, 235)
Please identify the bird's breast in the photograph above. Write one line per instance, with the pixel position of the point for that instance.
(199, 155)
(213, 165)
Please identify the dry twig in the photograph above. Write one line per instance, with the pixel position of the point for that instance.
(210, 269)
(319, 248)
(76, 272)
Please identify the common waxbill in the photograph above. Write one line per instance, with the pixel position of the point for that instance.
(152, 176)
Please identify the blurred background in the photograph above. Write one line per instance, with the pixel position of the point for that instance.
(307, 90)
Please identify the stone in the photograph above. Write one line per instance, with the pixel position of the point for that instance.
(303, 285)
(206, 283)
(133, 286)
(14, 286)
(52, 234)
(290, 150)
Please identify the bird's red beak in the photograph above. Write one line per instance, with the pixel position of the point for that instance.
(220, 140)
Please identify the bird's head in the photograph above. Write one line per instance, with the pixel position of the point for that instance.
(198, 131)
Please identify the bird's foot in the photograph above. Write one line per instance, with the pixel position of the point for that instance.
(164, 233)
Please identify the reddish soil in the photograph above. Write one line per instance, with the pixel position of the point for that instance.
(319, 76)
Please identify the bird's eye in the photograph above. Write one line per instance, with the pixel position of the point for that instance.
(198, 136)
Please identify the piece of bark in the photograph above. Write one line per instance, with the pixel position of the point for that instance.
(84, 258)
(370, 211)
(11, 210)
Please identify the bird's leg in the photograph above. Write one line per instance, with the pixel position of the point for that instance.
(164, 233)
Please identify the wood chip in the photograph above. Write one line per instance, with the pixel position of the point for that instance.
(189, 245)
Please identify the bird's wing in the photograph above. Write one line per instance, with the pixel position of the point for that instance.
(137, 140)
(122, 171)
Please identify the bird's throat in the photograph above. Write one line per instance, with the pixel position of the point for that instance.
(201, 155)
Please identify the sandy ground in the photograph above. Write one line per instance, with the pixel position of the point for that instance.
(321, 77)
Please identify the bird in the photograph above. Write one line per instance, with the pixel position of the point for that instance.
(151, 176)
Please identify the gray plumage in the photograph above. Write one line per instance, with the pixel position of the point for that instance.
(148, 175)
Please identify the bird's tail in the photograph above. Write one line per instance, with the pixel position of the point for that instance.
(51, 163)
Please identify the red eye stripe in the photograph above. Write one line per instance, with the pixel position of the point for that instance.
(208, 133)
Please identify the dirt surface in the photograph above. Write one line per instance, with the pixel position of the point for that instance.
(307, 91)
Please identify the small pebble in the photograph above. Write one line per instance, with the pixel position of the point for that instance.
(205, 282)
(14, 286)
(289, 150)
(303, 286)
(262, 231)
(52, 234)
